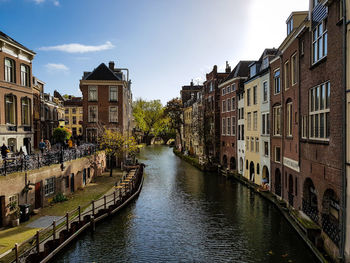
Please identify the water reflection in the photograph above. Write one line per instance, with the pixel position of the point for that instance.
(184, 215)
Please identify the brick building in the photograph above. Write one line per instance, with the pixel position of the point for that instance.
(229, 114)
(211, 115)
(16, 97)
(107, 101)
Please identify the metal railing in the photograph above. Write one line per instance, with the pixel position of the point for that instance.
(35, 161)
(310, 211)
(331, 228)
(47, 239)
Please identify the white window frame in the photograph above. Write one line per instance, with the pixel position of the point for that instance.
(319, 107)
(25, 70)
(90, 97)
(257, 144)
(223, 91)
(89, 117)
(233, 123)
(224, 106)
(286, 75)
(304, 129)
(255, 120)
(228, 126)
(294, 71)
(289, 119)
(50, 186)
(275, 157)
(110, 116)
(265, 91)
(249, 121)
(116, 93)
(275, 82)
(233, 103)
(255, 95)
(319, 42)
(223, 126)
(13, 199)
(9, 70)
(277, 120)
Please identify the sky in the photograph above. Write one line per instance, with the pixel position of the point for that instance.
(164, 43)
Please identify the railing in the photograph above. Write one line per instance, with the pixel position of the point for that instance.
(331, 228)
(310, 211)
(46, 240)
(36, 161)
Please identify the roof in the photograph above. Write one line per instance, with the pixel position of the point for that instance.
(11, 40)
(102, 72)
(74, 101)
(241, 70)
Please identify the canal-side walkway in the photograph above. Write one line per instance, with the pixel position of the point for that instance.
(102, 185)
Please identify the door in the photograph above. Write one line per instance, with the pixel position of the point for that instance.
(37, 195)
(2, 209)
(72, 183)
(84, 177)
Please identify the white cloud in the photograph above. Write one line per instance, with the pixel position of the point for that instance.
(55, 2)
(78, 48)
(39, 1)
(56, 67)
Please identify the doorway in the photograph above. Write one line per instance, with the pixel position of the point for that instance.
(37, 195)
(72, 182)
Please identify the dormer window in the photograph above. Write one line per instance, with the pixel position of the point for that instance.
(265, 63)
(252, 70)
(290, 26)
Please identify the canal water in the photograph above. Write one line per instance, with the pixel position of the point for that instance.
(184, 215)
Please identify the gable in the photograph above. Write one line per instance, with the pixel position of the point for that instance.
(102, 72)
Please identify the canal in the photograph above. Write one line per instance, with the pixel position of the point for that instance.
(184, 215)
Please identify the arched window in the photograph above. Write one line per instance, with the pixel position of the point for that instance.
(9, 70)
(289, 118)
(10, 109)
(26, 112)
(25, 76)
(258, 168)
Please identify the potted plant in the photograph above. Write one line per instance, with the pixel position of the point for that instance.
(15, 213)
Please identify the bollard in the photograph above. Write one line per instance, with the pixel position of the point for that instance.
(92, 222)
(54, 230)
(37, 242)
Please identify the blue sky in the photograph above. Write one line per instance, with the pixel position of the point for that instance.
(164, 43)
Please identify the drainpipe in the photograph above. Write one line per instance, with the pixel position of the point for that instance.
(344, 132)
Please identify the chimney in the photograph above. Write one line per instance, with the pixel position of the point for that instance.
(192, 83)
(111, 65)
(228, 68)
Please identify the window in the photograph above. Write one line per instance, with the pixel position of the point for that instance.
(294, 70)
(319, 111)
(113, 93)
(228, 103)
(25, 77)
(265, 127)
(252, 70)
(113, 114)
(252, 144)
(92, 96)
(233, 122)
(26, 113)
(277, 82)
(249, 117)
(277, 154)
(92, 113)
(247, 145)
(319, 41)
(228, 126)
(233, 104)
(223, 105)
(266, 148)
(49, 187)
(277, 120)
(257, 145)
(248, 97)
(286, 75)
(74, 110)
(66, 120)
(211, 87)
(74, 121)
(289, 119)
(265, 91)
(304, 127)
(9, 70)
(223, 91)
(13, 199)
(66, 111)
(228, 89)
(80, 110)
(255, 117)
(254, 96)
(223, 126)
(233, 87)
(290, 26)
(10, 109)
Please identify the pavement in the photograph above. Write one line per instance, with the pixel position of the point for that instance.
(43, 222)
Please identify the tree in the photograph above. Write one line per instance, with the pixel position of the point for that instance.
(149, 117)
(115, 144)
(173, 110)
(61, 135)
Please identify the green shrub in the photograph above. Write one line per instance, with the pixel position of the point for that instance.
(59, 198)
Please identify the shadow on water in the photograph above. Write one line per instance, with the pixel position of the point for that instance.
(185, 215)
